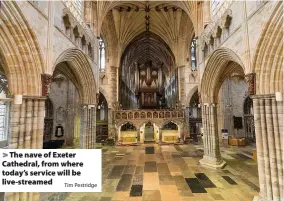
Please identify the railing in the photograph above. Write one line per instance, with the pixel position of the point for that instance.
(148, 114)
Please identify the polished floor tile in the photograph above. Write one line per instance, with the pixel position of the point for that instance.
(204, 180)
(136, 190)
(229, 180)
(150, 167)
(149, 150)
(195, 185)
(170, 173)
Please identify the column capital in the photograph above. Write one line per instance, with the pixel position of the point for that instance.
(263, 96)
(35, 97)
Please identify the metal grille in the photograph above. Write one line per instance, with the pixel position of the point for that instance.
(3, 113)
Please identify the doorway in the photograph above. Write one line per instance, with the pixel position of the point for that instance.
(149, 132)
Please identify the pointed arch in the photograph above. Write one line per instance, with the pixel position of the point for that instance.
(221, 63)
(74, 64)
(268, 59)
(19, 51)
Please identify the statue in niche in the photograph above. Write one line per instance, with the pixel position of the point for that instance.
(60, 115)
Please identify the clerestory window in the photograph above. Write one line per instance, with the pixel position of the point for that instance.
(102, 55)
(193, 54)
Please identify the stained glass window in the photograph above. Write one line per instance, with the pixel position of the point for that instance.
(102, 55)
(193, 54)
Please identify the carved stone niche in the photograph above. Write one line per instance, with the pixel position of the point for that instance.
(217, 32)
(45, 81)
(226, 19)
(250, 80)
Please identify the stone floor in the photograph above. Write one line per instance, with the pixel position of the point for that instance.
(170, 173)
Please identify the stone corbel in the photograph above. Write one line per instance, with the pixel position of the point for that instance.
(46, 81)
(102, 75)
(250, 80)
(226, 19)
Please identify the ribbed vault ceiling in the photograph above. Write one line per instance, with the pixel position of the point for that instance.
(127, 20)
(149, 47)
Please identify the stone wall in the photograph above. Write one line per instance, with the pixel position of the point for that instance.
(243, 33)
(66, 107)
(231, 103)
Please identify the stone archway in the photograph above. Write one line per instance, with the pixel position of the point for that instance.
(170, 131)
(268, 109)
(75, 67)
(79, 71)
(127, 133)
(22, 63)
(222, 63)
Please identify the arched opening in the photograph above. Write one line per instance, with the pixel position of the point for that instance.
(148, 78)
(230, 111)
(128, 133)
(62, 111)
(170, 132)
(194, 118)
(249, 127)
(149, 132)
(102, 119)
(223, 91)
(72, 92)
(48, 121)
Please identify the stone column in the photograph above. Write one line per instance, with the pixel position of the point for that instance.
(22, 126)
(83, 126)
(212, 156)
(88, 127)
(111, 125)
(94, 127)
(26, 131)
(268, 118)
(40, 123)
(34, 125)
(14, 126)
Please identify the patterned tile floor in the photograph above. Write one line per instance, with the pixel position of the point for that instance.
(170, 173)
